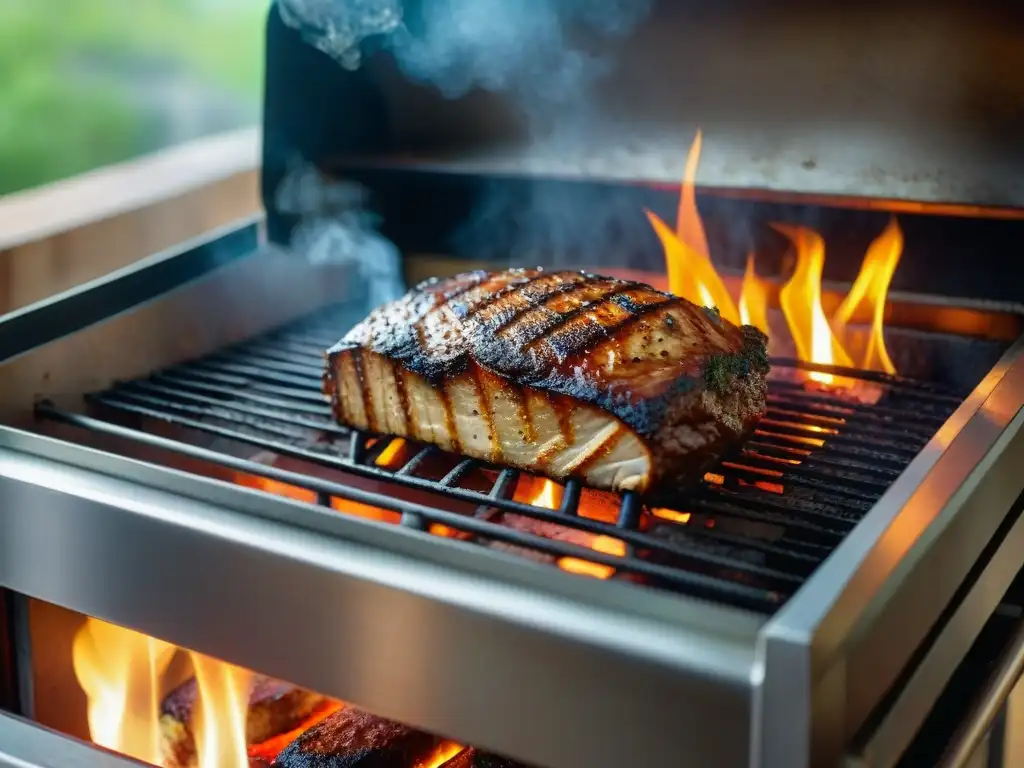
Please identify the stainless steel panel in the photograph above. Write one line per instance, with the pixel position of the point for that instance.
(845, 636)
(490, 649)
(173, 306)
(970, 737)
(24, 744)
(887, 743)
(1011, 745)
(913, 101)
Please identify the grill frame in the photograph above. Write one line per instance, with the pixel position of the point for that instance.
(824, 502)
(697, 664)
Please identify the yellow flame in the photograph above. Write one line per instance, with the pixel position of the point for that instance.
(390, 453)
(445, 752)
(221, 710)
(754, 299)
(691, 273)
(689, 225)
(119, 670)
(800, 299)
(549, 496)
(869, 293)
(604, 544)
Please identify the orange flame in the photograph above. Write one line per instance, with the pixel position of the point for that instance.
(754, 299)
(221, 711)
(445, 752)
(119, 670)
(549, 495)
(870, 291)
(691, 275)
(800, 300)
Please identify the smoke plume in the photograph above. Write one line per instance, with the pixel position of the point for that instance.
(520, 47)
(336, 227)
(531, 52)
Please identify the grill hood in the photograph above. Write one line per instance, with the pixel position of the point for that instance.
(920, 102)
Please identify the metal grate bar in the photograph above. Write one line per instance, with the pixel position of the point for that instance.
(691, 580)
(446, 486)
(751, 533)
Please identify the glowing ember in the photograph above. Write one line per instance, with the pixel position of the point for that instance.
(119, 670)
(441, 755)
(549, 494)
(121, 673)
(541, 492)
(800, 300)
(392, 454)
(271, 748)
(671, 514)
(868, 296)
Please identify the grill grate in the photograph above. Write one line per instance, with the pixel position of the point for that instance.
(750, 534)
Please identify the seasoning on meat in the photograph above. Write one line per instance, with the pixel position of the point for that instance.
(564, 374)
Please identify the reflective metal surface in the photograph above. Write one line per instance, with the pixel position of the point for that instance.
(992, 698)
(458, 640)
(844, 638)
(914, 101)
(24, 744)
(480, 646)
(905, 714)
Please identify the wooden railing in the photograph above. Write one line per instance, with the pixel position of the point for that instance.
(60, 235)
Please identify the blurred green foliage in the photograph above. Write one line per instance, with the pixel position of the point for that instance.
(72, 71)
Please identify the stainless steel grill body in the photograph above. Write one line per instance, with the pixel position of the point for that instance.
(479, 645)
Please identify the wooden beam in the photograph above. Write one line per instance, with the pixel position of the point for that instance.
(60, 235)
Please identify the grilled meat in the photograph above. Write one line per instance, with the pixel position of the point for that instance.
(474, 758)
(564, 374)
(274, 708)
(353, 739)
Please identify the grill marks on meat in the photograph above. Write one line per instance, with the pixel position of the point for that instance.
(565, 374)
(353, 739)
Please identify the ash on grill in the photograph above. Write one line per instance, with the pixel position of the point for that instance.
(750, 534)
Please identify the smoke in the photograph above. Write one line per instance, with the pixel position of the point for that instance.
(519, 47)
(544, 223)
(531, 52)
(335, 227)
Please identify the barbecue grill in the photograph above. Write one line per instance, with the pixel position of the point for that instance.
(836, 590)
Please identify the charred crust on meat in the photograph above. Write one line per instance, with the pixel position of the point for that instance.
(512, 285)
(353, 739)
(546, 372)
(685, 381)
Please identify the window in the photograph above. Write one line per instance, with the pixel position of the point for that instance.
(87, 83)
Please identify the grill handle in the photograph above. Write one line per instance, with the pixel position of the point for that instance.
(986, 707)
